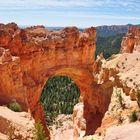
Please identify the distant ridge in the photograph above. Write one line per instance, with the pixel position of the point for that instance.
(103, 31)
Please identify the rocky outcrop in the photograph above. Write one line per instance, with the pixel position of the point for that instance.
(123, 71)
(88, 114)
(79, 121)
(15, 125)
(11, 86)
(121, 132)
(127, 63)
(131, 41)
(28, 57)
(36, 54)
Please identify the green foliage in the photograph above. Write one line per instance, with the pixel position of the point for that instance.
(138, 97)
(120, 99)
(108, 45)
(39, 133)
(133, 116)
(110, 30)
(59, 96)
(15, 106)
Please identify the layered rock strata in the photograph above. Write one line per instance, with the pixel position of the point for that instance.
(131, 41)
(30, 56)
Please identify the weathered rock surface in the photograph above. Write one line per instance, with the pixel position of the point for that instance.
(11, 86)
(116, 123)
(122, 71)
(30, 56)
(15, 125)
(124, 67)
(131, 41)
(129, 62)
(123, 132)
(79, 121)
(63, 128)
(38, 54)
(127, 66)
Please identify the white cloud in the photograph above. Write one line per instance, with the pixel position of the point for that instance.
(70, 12)
(91, 15)
(72, 3)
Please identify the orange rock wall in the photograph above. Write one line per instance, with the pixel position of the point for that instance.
(36, 54)
(131, 41)
(11, 83)
(28, 57)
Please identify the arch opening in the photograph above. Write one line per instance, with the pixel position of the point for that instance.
(59, 96)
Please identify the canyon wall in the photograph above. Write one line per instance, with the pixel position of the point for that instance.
(131, 41)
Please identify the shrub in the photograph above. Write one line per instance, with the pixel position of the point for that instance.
(15, 106)
(39, 133)
(120, 99)
(133, 116)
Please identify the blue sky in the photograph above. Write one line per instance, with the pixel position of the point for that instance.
(81, 13)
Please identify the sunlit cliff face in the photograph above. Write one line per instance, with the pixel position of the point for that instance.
(41, 54)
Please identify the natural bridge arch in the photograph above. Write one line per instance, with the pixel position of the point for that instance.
(36, 54)
(81, 76)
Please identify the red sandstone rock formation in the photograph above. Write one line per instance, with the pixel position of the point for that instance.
(30, 56)
(15, 125)
(131, 41)
(37, 54)
(11, 83)
(126, 64)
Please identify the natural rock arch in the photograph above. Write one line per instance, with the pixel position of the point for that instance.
(82, 78)
(36, 54)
